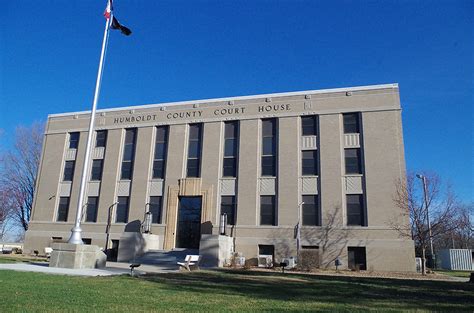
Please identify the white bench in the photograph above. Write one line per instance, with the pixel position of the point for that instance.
(190, 260)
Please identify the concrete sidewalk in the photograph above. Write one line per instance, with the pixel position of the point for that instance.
(112, 268)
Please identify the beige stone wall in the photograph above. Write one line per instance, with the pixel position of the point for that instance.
(381, 143)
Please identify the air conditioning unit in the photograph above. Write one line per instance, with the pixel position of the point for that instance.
(290, 262)
(265, 260)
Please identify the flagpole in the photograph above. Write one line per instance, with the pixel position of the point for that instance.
(76, 230)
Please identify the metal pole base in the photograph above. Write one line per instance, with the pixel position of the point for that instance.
(76, 237)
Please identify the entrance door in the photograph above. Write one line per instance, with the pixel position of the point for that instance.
(188, 232)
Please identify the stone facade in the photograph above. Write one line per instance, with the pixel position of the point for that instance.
(379, 141)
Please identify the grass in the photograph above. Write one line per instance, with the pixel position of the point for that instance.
(465, 274)
(11, 258)
(228, 290)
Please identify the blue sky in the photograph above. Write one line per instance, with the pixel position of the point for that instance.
(185, 50)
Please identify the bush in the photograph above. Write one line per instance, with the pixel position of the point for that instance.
(308, 260)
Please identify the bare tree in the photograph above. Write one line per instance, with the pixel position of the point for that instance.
(441, 208)
(19, 172)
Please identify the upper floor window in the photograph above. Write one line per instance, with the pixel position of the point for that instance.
(122, 210)
(353, 161)
(308, 125)
(161, 143)
(128, 153)
(63, 209)
(69, 170)
(310, 162)
(101, 138)
(269, 147)
(97, 166)
(228, 208)
(155, 209)
(355, 210)
(73, 140)
(230, 149)
(311, 210)
(194, 150)
(351, 123)
(91, 213)
(267, 210)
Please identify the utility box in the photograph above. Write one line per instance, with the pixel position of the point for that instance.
(456, 259)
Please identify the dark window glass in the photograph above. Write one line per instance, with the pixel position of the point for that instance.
(155, 209)
(269, 147)
(228, 207)
(230, 167)
(63, 209)
(351, 123)
(128, 154)
(194, 150)
(353, 161)
(308, 125)
(268, 166)
(193, 168)
(311, 210)
(101, 138)
(97, 166)
(122, 210)
(92, 204)
(73, 140)
(160, 152)
(230, 149)
(267, 210)
(69, 170)
(355, 210)
(266, 250)
(356, 258)
(310, 162)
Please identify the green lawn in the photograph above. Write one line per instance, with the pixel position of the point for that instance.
(226, 290)
(454, 273)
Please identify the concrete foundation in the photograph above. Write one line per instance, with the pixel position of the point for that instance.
(68, 255)
(133, 245)
(215, 250)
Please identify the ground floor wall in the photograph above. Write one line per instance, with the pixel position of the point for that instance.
(384, 251)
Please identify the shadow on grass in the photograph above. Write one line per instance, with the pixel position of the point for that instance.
(346, 291)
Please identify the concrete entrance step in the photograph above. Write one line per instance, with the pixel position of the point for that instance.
(165, 258)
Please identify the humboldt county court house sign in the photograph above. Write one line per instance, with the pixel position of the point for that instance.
(204, 113)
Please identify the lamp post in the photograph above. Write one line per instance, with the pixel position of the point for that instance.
(298, 231)
(107, 229)
(423, 179)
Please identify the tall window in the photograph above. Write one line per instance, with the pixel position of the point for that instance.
(311, 211)
(97, 166)
(355, 210)
(228, 207)
(122, 210)
(269, 147)
(101, 138)
(310, 162)
(155, 209)
(69, 170)
(194, 150)
(308, 125)
(353, 161)
(161, 143)
(128, 153)
(63, 209)
(267, 210)
(73, 140)
(231, 142)
(91, 213)
(351, 123)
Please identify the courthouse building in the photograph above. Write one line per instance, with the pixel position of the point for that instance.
(254, 158)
